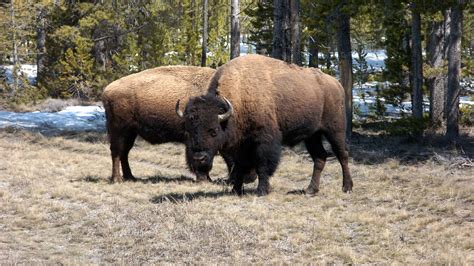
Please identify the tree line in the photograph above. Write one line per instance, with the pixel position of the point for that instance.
(81, 46)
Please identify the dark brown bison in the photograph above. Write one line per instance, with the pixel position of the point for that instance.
(143, 104)
(253, 105)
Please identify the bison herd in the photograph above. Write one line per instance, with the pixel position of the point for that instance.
(245, 111)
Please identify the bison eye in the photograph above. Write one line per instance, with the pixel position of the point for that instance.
(212, 132)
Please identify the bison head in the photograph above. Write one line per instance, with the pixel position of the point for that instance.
(206, 119)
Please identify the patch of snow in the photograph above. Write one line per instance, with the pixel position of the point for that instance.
(28, 70)
(92, 118)
(71, 119)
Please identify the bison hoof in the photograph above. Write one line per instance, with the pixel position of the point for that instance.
(130, 178)
(238, 191)
(347, 188)
(115, 179)
(203, 178)
(263, 191)
(311, 192)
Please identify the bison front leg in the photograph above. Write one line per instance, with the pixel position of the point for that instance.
(237, 176)
(268, 157)
(248, 177)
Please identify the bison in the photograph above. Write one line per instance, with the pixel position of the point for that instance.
(253, 106)
(143, 104)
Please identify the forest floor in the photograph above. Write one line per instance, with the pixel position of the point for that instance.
(412, 203)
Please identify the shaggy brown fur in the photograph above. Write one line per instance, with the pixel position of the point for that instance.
(143, 104)
(274, 103)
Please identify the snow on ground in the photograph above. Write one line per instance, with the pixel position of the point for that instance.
(71, 119)
(25, 69)
(92, 118)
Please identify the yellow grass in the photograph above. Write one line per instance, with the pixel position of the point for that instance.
(56, 206)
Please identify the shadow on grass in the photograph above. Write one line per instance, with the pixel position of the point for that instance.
(92, 179)
(372, 144)
(155, 180)
(190, 196)
(374, 149)
(185, 197)
(164, 179)
(144, 180)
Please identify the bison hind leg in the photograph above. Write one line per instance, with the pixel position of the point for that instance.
(315, 148)
(338, 144)
(121, 141)
(128, 141)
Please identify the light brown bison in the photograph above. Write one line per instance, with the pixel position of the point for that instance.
(143, 104)
(253, 105)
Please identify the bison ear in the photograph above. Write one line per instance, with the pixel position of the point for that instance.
(224, 125)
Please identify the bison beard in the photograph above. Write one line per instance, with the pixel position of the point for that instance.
(270, 103)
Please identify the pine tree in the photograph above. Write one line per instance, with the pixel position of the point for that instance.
(205, 26)
(438, 33)
(454, 68)
(295, 22)
(318, 18)
(261, 22)
(361, 67)
(345, 59)
(417, 61)
(398, 63)
(219, 32)
(235, 29)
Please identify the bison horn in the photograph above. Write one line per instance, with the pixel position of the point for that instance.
(178, 111)
(224, 117)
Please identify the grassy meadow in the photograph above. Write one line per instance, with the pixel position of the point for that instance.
(411, 204)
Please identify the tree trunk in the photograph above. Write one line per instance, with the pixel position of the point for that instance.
(40, 43)
(278, 33)
(328, 59)
(287, 31)
(417, 64)
(194, 26)
(345, 61)
(235, 29)
(436, 54)
(281, 31)
(295, 31)
(313, 54)
(15, 48)
(204, 32)
(454, 66)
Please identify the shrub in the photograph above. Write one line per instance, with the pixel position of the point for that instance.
(466, 113)
(408, 126)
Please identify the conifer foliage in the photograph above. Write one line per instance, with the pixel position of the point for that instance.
(81, 46)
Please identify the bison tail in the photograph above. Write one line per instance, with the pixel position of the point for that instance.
(108, 115)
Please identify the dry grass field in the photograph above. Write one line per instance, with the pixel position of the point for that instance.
(411, 204)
